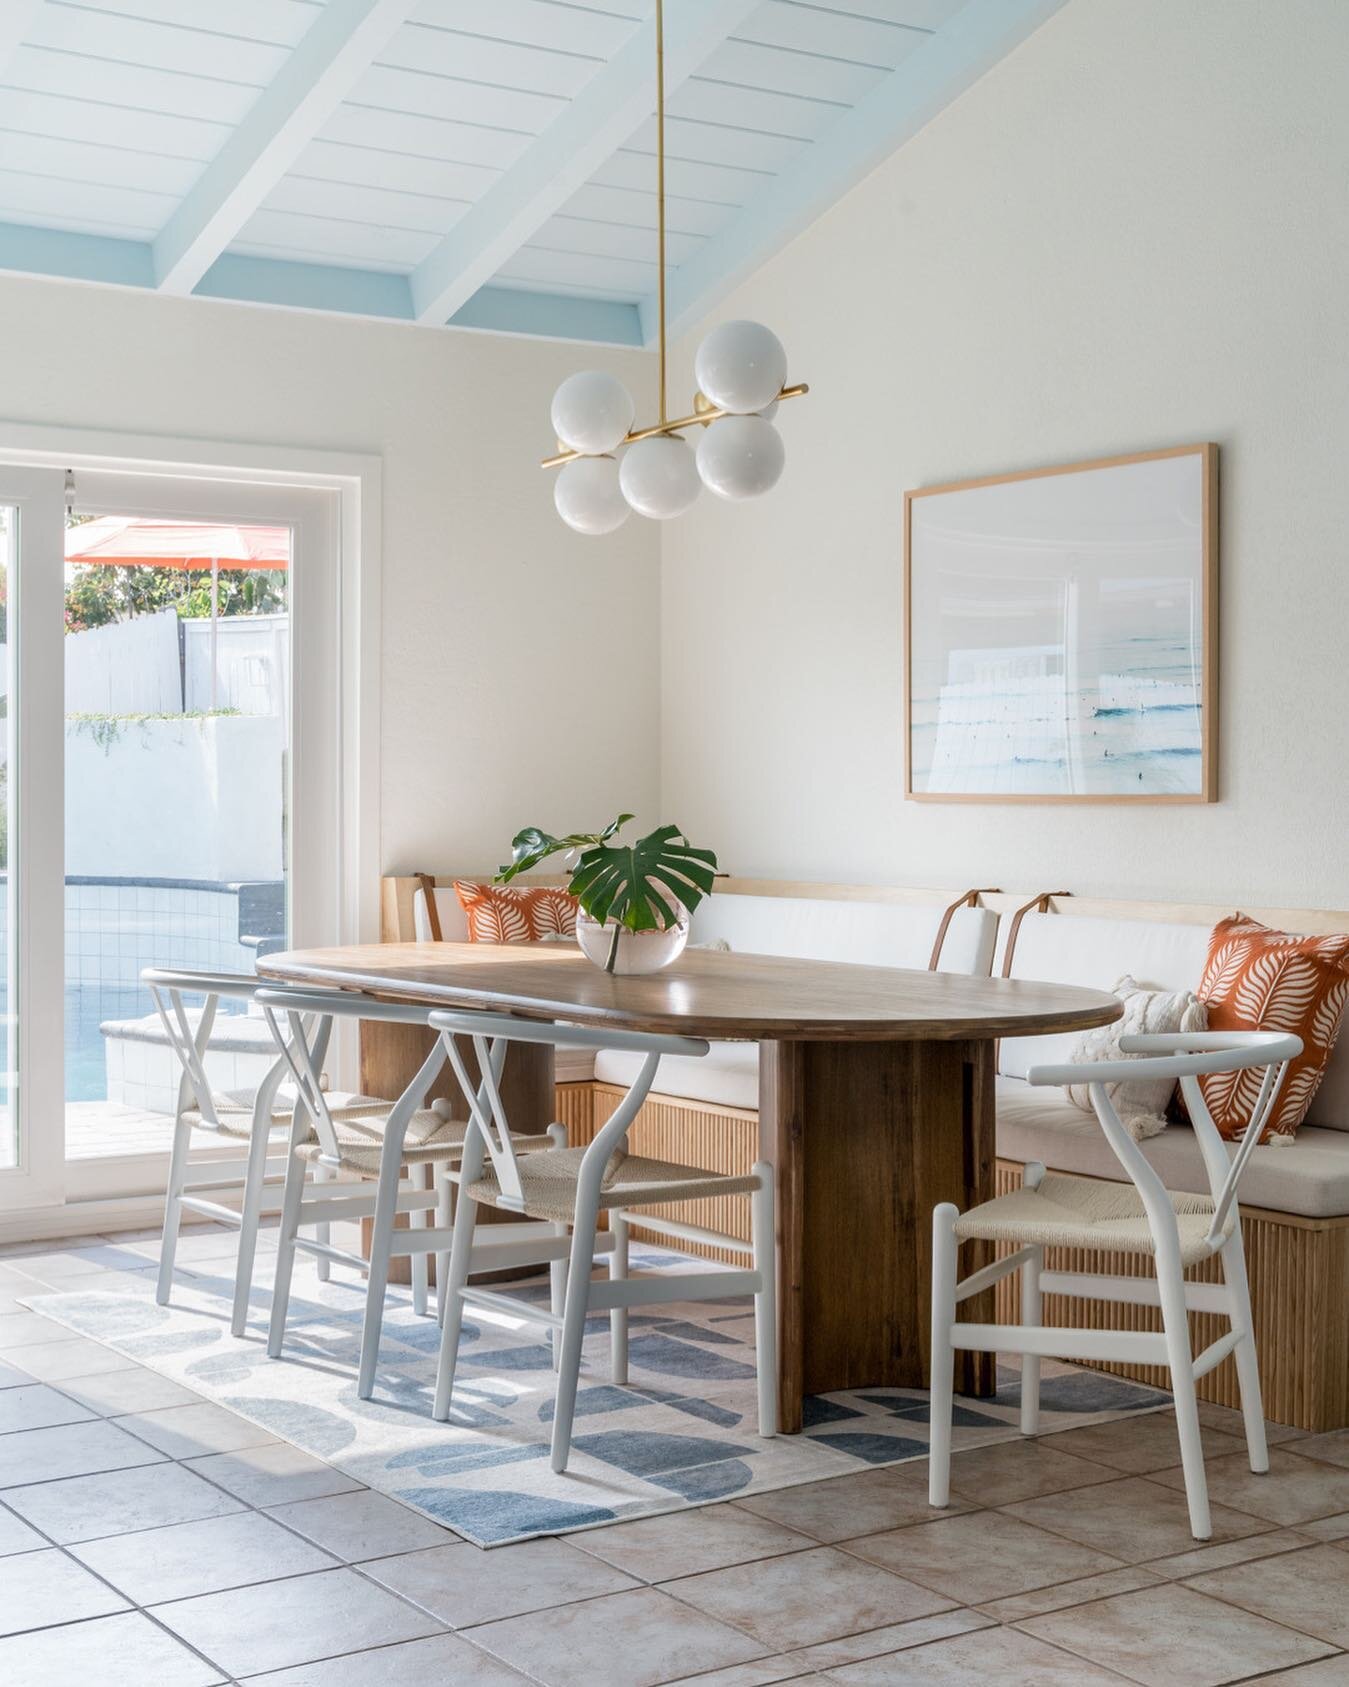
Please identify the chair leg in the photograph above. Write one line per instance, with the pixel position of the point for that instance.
(452, 1302)
(285, 1244)
(763, 1239)
(557, 1268)
(618, 1315)
(1180, 1358)
(173, 1211)
(557, 1295)
(419, 1175)
(377, 1277)
(1032, 1314)
(573, 1334)
(1248, 1368)
(323, 1268)
(249, 1216)
(941, 1397)
(445, 1188)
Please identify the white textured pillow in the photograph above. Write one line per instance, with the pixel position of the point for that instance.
(1141, 1105)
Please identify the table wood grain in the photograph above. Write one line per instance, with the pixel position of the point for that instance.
(706, 993)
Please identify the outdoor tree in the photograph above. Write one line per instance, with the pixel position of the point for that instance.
(99, 594)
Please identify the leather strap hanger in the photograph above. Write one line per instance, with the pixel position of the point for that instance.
(969, 900)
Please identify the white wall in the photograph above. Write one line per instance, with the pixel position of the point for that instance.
(505, 637)
(1134, 232)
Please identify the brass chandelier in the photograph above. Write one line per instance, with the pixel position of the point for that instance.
(741, 370)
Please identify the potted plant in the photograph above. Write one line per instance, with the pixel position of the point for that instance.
(635, 899)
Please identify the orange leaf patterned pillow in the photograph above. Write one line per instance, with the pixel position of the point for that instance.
(515, 913)
(1259, 979)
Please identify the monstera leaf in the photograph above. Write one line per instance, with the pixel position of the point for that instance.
(637, 886)
(533, 845)
(634, 884)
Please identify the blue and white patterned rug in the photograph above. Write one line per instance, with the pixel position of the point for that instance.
(682, 1433)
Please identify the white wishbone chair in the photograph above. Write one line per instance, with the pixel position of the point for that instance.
(372, 1144)
(251, 1116)
(1176, 1230)
(568, 1188)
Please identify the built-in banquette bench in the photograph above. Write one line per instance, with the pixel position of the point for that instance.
(1295, 1211)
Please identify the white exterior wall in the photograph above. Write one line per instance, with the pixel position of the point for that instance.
(186, 799)
(126, 668)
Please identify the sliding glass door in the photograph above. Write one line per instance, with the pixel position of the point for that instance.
(169, 792)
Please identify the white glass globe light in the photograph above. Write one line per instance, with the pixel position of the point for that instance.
(588, 497)
(659, 477)
(770, 412)
(740, 457)
(592, 412)
(741, 366)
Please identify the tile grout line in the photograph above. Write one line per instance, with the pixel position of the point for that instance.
(135, 1608)
(808, 1543)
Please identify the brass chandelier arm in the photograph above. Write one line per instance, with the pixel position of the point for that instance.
(699, 418)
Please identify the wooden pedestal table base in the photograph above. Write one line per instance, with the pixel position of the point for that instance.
(866, 1139)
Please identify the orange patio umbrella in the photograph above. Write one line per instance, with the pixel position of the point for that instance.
(147, 542)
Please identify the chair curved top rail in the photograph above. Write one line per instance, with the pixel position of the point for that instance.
(578, 1036)
(1192, 1054)
(202, 983)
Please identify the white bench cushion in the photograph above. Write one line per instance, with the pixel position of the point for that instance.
(728, 1076)
(892, 934)
(1309, 1177)
(1066, 949)
(453, 920)
(815, 928)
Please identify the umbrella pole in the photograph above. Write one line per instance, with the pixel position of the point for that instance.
(215, 613)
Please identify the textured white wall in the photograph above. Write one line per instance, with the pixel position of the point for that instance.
(506, 638)
(1134, 232)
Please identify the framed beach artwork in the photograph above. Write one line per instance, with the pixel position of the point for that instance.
(1062, 633)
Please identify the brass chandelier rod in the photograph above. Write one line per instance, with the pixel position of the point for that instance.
(660, 195)
(701, 418)
(705, 411)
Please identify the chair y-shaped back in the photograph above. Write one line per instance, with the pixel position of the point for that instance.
(370, 1143)
(251, 1116)
(1176, 1231)
(564, 1192)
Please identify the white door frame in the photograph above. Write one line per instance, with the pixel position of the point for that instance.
(36, 813)
(336, 893)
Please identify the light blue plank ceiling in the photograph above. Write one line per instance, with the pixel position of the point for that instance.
(486, 164)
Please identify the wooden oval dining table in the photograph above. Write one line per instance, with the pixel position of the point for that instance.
(876, 1101)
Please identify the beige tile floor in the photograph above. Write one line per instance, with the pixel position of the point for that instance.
(148, 1536)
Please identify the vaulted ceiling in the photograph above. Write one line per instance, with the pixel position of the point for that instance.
(485, 164)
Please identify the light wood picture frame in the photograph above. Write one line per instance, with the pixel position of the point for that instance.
(1061, 633)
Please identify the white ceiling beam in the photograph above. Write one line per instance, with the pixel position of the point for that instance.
(16, 17)
(334, 52)
(970, 43)
(607, 111)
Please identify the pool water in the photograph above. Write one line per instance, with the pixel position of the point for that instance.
(88, 1007)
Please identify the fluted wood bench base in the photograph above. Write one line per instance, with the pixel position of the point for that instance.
(1299, 1267)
